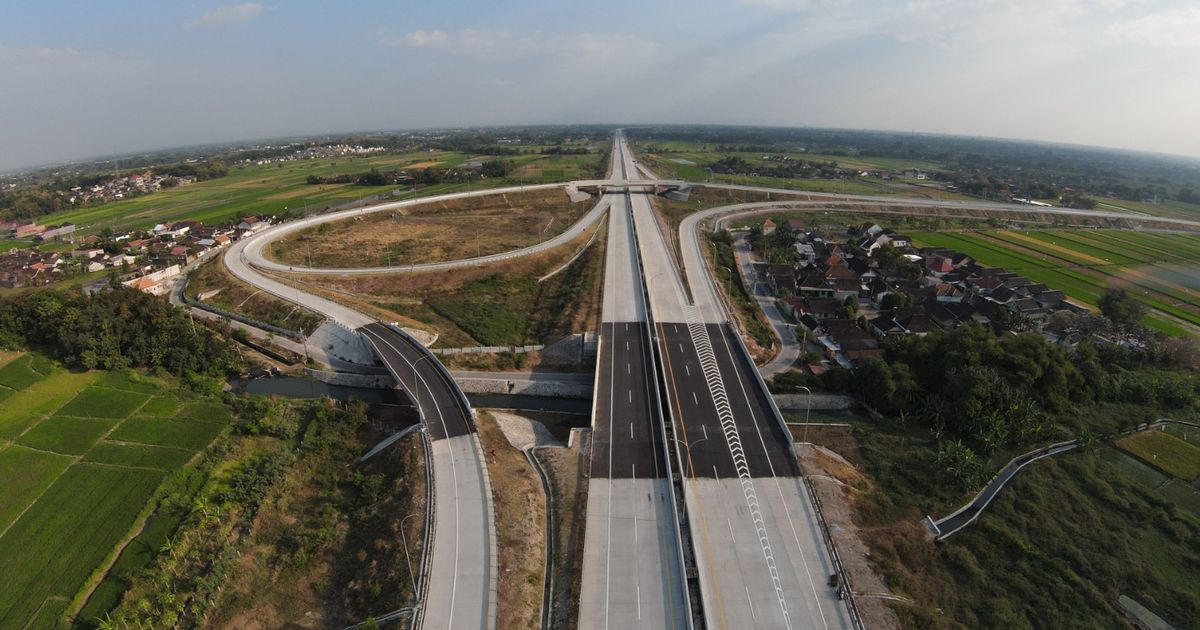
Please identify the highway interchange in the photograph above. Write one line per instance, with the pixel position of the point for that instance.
(677, 397)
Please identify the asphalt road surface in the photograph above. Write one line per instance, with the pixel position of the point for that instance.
(436, 396)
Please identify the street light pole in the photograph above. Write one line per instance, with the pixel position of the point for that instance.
(407, 558)
(807, 410)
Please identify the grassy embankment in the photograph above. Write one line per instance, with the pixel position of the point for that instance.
(1055, 549)
(500, 304)
(238, 297)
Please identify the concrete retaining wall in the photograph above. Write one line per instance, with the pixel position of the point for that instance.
(375, 381)
(553, 389)
(794, 402)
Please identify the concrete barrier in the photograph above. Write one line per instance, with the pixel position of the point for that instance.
(826, 402)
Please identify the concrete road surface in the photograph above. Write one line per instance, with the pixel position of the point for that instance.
(632, 570)
(759, 552)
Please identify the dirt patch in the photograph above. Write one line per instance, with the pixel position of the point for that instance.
(520, 528)
(837, 484)
(523, 433)
(432, 232)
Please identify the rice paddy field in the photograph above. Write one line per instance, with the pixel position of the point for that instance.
(1161, 269)
(81, 456)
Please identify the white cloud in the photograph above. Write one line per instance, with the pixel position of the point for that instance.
(493, 44)
(418, 39)
(225, 15)
(1168, 29)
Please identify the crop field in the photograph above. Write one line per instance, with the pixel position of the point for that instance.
(66, 435)
(272, 188)
(1166, 452)
(176, 433)
(1162, 270)
(18, 374)
(71, 493)
(434, 232)
(61, 539)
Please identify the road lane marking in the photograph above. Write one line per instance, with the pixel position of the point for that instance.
(753, 617)
(695, 398)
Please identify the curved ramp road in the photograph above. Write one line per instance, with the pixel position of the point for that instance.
(254, 252)
(461, 585)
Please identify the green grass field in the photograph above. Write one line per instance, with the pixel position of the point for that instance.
(67, 494)
(159, 407)
(1166, 452)
(272, 188)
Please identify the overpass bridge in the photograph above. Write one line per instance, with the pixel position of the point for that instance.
(669, 187)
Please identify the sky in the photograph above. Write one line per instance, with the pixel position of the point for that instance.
(83, 78)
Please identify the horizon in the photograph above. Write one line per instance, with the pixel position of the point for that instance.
(306, 137)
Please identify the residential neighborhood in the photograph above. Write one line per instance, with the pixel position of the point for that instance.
(144, 260)
(848, 294)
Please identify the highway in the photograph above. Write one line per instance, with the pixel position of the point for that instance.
(632, 565)
(761, 560)
(461, 583)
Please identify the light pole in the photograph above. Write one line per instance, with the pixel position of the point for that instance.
(729, 285)
(407, 559)
(687, 446)
(807, 410)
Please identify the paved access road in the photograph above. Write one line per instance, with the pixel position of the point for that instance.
(632, 565)
(757, 540)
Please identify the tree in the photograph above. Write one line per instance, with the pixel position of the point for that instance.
(1121, 307)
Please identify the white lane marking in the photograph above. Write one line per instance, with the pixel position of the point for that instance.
(631, 396)
(631, 430)
(687, 369)
(729, 524)
(753, 617)
(639, 597)
(453, 468)
(779, 488)
(704, 428)
(628, 369)
(626, 345)
(695, 398)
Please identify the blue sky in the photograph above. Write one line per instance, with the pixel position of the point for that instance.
(89, 78)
